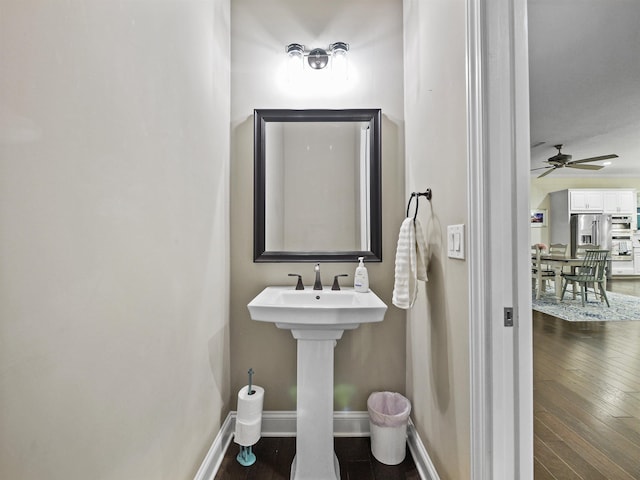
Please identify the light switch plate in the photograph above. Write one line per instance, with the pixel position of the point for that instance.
(455, 241)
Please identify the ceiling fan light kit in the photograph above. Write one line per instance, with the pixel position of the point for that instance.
(561, 160)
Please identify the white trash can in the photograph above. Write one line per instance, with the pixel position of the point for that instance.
(388, 418)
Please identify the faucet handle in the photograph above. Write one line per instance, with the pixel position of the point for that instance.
(299, 285)
(336, 285)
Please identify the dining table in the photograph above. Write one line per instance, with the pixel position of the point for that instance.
(558, 263)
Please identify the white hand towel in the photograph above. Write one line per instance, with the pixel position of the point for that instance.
(421, 253)
(411, 263)
(404, 252)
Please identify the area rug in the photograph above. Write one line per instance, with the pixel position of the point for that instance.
(623, 307)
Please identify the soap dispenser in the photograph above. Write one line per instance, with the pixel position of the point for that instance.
(361, 278)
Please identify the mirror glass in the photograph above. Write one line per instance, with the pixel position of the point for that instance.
(317, 185)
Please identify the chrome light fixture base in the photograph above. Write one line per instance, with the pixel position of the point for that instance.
(318, 58)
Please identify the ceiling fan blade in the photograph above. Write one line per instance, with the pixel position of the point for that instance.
(547, 172)
(539, 168)
(595, 159)
(585, 167)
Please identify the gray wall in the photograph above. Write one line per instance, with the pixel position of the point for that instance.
(114, 148)
(438, 325)
(373, 356)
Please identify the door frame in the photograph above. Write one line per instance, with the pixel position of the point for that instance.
(501, 364)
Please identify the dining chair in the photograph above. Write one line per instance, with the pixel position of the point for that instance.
(539, 274)
(591, 272)
(582, 249)
(557, 250)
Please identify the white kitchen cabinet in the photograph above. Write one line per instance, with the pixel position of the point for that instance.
(619, 201)
(581, 201)
(622, 267)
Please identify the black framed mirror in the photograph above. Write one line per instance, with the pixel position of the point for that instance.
(317, 185)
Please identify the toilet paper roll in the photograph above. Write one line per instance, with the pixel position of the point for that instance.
(250, 406)
(248, 433)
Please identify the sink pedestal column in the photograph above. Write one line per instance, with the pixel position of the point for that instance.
(315, 458)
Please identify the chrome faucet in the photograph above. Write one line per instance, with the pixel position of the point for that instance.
(318, 283)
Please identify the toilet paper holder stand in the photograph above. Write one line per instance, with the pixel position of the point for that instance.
(250, 391)
(246, 457)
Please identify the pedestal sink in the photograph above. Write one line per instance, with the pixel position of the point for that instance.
(317, 319)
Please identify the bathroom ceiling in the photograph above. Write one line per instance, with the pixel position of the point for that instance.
(584, 68)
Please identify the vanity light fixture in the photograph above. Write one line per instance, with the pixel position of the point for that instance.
(318, 58)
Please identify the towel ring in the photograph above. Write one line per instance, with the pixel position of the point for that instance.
(417, 195)
(409, 206)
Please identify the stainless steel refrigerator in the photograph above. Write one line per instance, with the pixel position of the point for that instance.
(588, 229)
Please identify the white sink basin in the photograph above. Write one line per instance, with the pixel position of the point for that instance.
(316, 309)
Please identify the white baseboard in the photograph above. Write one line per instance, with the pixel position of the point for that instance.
(424, 465)
(213, 459)
(283, 424)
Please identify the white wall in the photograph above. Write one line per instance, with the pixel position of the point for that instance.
(373, 356)
(114, 147)
(438, 325)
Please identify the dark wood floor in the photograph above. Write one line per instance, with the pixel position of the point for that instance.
(274, 457)
(587, 396)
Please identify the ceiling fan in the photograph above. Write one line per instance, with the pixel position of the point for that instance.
(561, 160)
